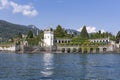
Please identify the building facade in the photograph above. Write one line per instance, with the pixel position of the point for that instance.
(48, 37)
(104, 40)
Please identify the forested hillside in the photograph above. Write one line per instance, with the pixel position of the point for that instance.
(8, 30)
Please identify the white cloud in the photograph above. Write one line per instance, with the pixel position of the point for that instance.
(102, 31)
(26, 10)
(91, 29)
(4, 4)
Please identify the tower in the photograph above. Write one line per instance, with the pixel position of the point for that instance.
(48, 37)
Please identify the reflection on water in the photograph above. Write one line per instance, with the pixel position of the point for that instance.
(59, 66)
(48, 65)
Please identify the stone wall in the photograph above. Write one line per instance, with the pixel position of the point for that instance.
(12, 48)
(81, 49)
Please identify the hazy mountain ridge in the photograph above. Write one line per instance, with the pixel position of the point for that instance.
(8, 29)
(72, 31)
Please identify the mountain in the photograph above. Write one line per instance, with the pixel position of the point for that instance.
(33, 27)
(8, 30)
(72, 31)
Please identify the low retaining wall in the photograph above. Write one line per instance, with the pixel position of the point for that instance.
(7, 48)
(58, 49)
(12, 48)
(89, 49)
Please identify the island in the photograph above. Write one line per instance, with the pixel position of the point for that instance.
(62, 40)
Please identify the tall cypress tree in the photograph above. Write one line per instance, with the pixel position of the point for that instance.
(84, 33)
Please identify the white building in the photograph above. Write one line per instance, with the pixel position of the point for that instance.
(105, 40)
(48, 37)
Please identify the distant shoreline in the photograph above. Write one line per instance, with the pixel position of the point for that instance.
(44, 52)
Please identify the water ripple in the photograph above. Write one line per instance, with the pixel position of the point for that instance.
(59, 66)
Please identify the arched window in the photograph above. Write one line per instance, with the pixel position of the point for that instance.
(103, 40)
(107, 41)
(79, 49)
(68, 41)
(104, 49)
(63, 50)
(68, 50)
(65, 41)
(97, 50)
(85, 50)
(59, 41)
(91, 50)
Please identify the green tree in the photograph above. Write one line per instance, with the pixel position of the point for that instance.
(30, 34)
(84, 33)
(59, 32)
(92, 36)
(113, 38)
(41, 34)
(20, 35)
(102, 35)
(118, 37)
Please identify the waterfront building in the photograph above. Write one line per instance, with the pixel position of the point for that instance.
(60, 41)
(25, 43)
(102, 40)
(65, 45)
(48, 37)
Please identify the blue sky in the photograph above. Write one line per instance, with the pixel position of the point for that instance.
(73, 14)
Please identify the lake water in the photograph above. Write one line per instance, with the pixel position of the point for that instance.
(59, 66)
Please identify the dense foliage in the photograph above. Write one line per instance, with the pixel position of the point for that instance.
(61, 33)
(9, 30)
(118, 37)
(34, 40)
(84, 33)
(101, 35)
(30, 34)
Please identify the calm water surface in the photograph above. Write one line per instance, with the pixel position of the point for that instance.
(59, 66)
